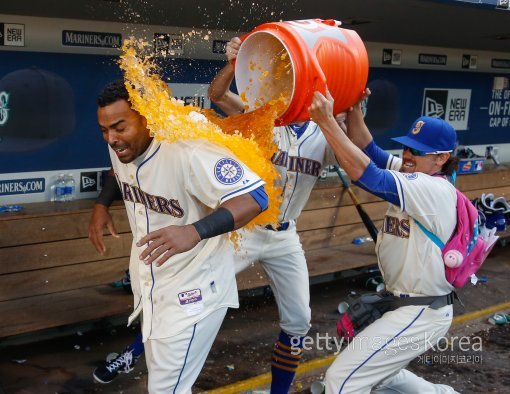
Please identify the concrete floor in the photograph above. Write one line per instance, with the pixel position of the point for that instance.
(242, 349)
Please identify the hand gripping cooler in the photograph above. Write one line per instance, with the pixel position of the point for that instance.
(296, 58)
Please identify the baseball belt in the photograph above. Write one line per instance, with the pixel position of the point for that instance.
(282, 226)
(389, 301)
(366, 309)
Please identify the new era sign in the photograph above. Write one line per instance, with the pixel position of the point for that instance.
(469, 61)
(12, 34)
(451, 105)
(391, 56)
(168, 44)
(88, 181)
(219, 46)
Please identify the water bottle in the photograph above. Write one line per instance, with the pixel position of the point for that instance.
(59, 189)
(70, 187)
(362, 240)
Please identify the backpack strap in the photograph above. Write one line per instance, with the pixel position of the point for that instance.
(453, 177)
(433, 237)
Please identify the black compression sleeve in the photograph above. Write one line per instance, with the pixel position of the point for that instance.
(110, 192)
(219, 222)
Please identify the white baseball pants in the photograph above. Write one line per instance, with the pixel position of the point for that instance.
(174, 363)
(281, 255)
(375, 360)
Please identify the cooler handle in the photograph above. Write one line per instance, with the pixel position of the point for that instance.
(319, 81)
(331, 22)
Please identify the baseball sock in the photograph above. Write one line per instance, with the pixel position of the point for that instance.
(287, 352)
(136, 347)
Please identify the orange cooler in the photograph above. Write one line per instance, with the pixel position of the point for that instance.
(294, 59)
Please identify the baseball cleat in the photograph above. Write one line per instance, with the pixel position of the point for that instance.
(107, 371)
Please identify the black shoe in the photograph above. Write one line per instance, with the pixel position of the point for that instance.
(109, 370)
(126, 282)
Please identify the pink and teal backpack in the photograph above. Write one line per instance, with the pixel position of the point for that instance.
(466, 250)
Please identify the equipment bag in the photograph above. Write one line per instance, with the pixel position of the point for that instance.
(367, 308)
(362, 312)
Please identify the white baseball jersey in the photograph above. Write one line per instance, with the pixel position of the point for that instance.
(300, 162)
(178, 184)
(410, 261)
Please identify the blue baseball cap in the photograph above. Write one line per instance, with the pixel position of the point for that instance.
(430, 135)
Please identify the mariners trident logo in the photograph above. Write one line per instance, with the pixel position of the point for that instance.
(4, 111)
(228, 171)
(417, 127)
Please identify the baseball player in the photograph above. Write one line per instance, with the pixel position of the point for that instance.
(302, 153)
(416, 188)
(180, 198)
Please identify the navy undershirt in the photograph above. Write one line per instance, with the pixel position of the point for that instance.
(376, 179)
(299, 130)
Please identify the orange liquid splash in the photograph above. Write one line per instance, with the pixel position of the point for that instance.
(249, 136)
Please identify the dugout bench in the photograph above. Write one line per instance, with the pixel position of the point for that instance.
(51, 276)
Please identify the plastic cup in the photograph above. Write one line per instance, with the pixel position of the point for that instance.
(342, 307)
(317, 387)
(375, 284)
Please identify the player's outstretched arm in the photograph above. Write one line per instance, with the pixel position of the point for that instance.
(101, 217)
(219, 90)
(351, 158)
(357, 130)
(169, 241)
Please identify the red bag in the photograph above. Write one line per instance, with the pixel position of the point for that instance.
(345, 328)
(362, 312)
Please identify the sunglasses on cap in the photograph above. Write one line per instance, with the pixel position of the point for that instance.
(416, 152)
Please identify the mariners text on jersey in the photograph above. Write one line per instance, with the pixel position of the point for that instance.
(396, 226)
(154, 203)
(297, 164)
